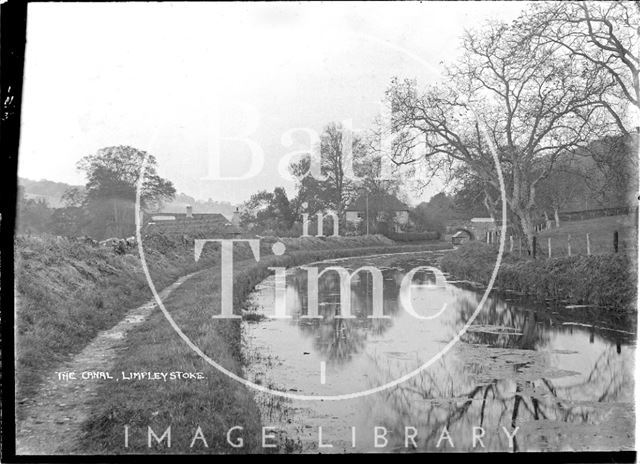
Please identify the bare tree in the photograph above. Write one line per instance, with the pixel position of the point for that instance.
(511, 93)
(605, 34)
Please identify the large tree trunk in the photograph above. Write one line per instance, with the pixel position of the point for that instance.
(556, 217)
(526, 224)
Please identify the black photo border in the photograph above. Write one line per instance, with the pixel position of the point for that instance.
(13, 38)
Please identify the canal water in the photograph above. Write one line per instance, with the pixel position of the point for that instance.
(550, 377)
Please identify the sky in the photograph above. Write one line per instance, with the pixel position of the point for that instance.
(246, 84)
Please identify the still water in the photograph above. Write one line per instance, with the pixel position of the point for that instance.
(550, 377)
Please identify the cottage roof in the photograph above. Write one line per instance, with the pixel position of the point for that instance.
(212, 222)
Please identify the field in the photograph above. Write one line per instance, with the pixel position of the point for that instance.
(600, 232)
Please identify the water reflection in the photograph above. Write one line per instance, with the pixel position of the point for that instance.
(563, 385)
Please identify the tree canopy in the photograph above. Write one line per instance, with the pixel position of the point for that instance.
(113, 172)
(110, 192)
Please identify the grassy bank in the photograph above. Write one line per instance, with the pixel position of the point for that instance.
(215, 403)
(68, 291)
(607, 280)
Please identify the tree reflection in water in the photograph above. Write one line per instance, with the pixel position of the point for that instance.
(339, 339)
(451, 393)
(517, 365)
(445, 395)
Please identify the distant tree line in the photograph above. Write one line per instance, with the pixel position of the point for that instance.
(105, 207)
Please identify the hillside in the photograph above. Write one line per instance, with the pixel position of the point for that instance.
(52, 192)
(47, 190)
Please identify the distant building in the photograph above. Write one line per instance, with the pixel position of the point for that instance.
(378, 208)
(481, 226)
(190, 224)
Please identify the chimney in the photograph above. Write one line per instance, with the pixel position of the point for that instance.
(235, 219)
(189, 212)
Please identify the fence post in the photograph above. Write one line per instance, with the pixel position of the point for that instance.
(549, 245)
(569, 244)
(615, 241)
(519, 246)
(588, 245)
(534, 246)
(511, 243)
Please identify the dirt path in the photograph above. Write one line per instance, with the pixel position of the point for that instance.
(53, 417)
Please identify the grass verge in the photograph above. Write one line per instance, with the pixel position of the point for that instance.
(67, 291)
(215, 403)
(607, 280)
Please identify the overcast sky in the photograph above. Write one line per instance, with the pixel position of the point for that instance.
(155, 76)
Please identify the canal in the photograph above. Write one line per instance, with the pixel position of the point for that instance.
(523, 376)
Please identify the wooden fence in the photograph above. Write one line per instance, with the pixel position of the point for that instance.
(550, 247)
(569, 216)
